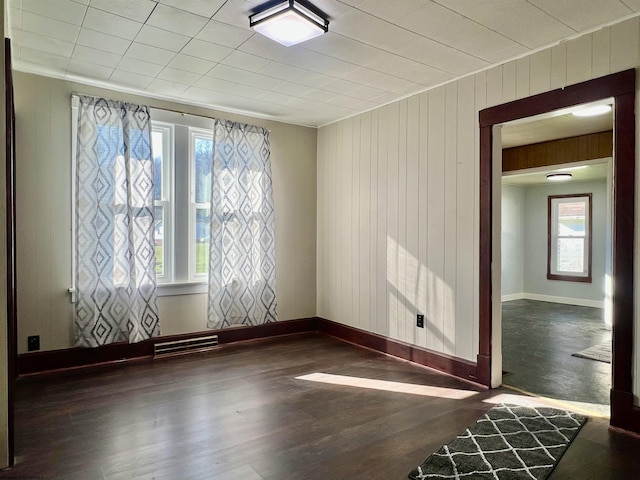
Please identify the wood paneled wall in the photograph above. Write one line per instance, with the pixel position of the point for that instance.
(554, 152)
(398, 195)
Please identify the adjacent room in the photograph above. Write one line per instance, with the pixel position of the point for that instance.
(318, 239)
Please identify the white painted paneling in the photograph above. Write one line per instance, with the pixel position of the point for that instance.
(579, 59)
(422, 215)
(435, 285)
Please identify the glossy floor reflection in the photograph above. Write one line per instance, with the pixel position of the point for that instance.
(538, 339)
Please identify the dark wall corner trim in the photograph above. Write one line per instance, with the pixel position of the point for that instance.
(75, 358)
(625, 416)
(457, 367)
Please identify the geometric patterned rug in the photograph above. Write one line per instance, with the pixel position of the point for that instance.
(600, 352)
(508, 442)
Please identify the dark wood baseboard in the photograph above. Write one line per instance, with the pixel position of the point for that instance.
(457, 367)
(74, 358)
(625, 416)
(57, 361)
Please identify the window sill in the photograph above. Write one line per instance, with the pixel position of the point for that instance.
(186, 288)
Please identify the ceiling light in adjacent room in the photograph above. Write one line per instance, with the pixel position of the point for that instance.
(289, 22)
(559, 176)
(592, 111)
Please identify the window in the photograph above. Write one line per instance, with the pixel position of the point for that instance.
(182, 149)
(569, 238)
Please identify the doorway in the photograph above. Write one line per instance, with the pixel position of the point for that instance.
(556, 342)
(620, 87)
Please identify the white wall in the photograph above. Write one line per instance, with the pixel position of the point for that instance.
(43, 127)
(512, 242)
(536, 283)
(398, 195)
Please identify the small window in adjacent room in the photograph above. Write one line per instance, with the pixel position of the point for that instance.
(569, 238)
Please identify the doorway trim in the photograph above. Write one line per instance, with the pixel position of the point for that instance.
(622, 88)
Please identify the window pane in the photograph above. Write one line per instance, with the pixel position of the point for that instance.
(570, 255)
(159, 238)
(203, 229)
(203, 148)
(157, 143)
(572, 219)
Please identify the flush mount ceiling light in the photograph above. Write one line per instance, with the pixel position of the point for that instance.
(592, 111)
(559, 176)
(289, 22)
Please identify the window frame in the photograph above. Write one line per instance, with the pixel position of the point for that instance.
(552, 238)
(167, 201)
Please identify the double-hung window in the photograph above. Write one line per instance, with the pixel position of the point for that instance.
(182, 151)
(569, 238)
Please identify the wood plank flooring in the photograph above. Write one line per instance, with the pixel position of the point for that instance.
(240, 412)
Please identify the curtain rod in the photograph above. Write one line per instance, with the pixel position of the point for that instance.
(76, 95)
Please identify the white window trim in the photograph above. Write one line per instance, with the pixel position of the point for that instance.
(554, 237)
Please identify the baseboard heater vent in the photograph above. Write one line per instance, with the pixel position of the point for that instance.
(181, 347)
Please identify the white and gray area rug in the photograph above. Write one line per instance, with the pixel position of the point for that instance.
(600, 352)
(508, 443)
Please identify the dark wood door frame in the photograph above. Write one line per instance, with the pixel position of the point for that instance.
(622, 88)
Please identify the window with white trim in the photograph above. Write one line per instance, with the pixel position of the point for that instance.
(569, 238)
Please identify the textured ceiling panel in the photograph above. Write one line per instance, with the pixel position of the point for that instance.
(203, 51)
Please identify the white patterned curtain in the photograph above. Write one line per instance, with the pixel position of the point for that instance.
(242, 267)
(115, 254)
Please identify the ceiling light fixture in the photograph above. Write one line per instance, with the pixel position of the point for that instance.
(592, 111)
(289, 22)
(559, 176)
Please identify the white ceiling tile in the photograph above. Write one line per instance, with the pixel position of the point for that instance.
(179, 76)
(62, 10)
(246, 61)
(138, 10)
(89, 70)
(313, 79)
(341, 47)
(477, 40)
(408, 69)
(392, 11)
(177, 21)
(156, 55)
(589, 14)
(293, 89)
(32, 22)
(83, 2)
(46, 59)
(231, 88)
(352, 103)
(322, 96)
(46, 44)
(352, 89)
(244, 77)
(111, 24)
(234, 13)
(91, 55)
(131, 79)
(191, 64)
(204, 8)
(140, 67)
(280, 70)
(442, 57)
(224, 34)
(164, 87)
(519, 20)
(102, 41)
(277, 97)
(161, 38)
(206, 50)
(380, 80)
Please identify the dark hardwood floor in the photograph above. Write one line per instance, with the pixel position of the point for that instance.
(241, 412)
(538, 340)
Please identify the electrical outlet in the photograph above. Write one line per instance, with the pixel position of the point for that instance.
(33, 343)
(420, 320)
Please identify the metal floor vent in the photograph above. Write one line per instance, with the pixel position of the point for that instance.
(180, 347)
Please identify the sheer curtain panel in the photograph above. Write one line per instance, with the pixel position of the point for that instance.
(115, 253)
(242, 267)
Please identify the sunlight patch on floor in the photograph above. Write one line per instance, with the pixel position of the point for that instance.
(527, 399)
(399, 387)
